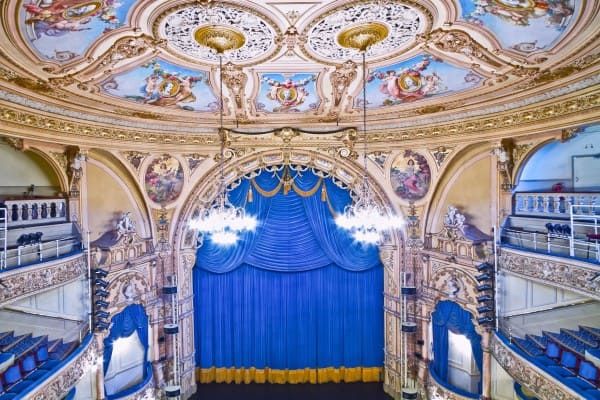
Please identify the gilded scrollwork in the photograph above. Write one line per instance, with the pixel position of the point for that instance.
(456, 41)
(60, 384)
(556, 272)
(341, 78)
(235, 80)
(526, 374)
(20, 284)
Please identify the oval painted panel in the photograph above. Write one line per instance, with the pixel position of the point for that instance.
(410, 175)
(164, 179)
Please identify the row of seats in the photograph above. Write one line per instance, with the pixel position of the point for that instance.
(31, 362)
(562, 355)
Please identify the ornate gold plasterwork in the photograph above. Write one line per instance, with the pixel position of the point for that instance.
(220, 38)
(563, 273)
(125, 48)
(525, 373)
(62, 382)
(362, 35)
(28, 281)
(235, 81)
(519, 152)
(456, 41)
(135, 158)
(551, 75)
(435, 391)
(341, 78)
(508, 120)
(290, 39)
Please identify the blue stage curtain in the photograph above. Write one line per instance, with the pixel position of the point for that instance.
(132, 319)
(297, 293)
(449, 316)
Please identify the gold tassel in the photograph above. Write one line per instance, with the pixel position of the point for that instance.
(323, 192)
(250, 197)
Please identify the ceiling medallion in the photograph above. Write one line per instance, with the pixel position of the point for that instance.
(363, 35)
(219, 38)
(197, 31)
(397, 26)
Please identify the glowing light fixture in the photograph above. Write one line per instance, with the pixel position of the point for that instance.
(366, 219)
(222, 220)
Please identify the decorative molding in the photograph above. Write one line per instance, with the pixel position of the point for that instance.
(67, 377)
(236, 80)
(135, 158)
(435, 391)
(519, 152)
(194, 160)
(560, 272)
(440, 154)
(470, 122)
(341, 78)
(527, 374)
(124, 48)
(26, 281)
(456, 41)
(551, 75)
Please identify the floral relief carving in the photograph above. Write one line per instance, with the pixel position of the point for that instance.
(557, 273)
(456, 41)
(60, 384)
(126, 47)
(28, 282)
(341, 78)
(526, 374)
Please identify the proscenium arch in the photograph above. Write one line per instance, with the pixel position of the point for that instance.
(391, 252)
(341, 169)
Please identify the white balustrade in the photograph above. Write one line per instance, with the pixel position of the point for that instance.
(23, 212)
(553, 205)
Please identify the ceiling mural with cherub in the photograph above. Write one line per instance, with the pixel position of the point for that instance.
(158, 83)
(415, 79)
(294, 63)
(281, 93)
(522, 25)
(62, 30)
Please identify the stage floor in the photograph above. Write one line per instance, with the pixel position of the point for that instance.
(328, 391)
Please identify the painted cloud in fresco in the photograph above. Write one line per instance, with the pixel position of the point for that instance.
(162, 84)
(415, 79)
(521, 25)
(281, 93)
(61, 30)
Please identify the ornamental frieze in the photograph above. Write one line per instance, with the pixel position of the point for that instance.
(61, 383)
(408, 130)
(560, 272)
(526, 374)
(26, 281)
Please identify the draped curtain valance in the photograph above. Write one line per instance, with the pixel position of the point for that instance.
(296, 207)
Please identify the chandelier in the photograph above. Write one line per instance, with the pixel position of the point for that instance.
(222, 220)
(365, 219)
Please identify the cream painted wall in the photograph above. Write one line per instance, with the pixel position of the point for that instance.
(502, 383)
(107, 201)
(470, 193)
(25, 168)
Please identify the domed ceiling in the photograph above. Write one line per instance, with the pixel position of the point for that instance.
(440, 60)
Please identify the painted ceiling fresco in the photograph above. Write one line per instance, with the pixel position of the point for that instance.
(142, 53)
(287, 93)
(415, 79)
(521, 25)
(161, 84)
(61, 30)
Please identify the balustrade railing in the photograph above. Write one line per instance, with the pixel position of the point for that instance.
(579, 238)
(23, 212)
(556, 205)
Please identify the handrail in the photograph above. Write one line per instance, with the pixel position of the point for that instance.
(41, 251)
(548, 243)
(3, 236)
